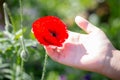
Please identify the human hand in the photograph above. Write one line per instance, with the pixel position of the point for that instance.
(89, 51)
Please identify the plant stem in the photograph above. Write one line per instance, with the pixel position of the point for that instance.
(22, 37)
(5, 13)
(11, 18)
(21, 72)
(21, 14)
(44, 67)
(21, 25)
(21, 18)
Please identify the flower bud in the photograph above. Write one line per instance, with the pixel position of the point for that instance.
(24, 55)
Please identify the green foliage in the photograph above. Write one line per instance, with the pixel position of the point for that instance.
(14, 51)
(52, 76)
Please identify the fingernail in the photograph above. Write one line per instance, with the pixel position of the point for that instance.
(78, 19)
(81, 21)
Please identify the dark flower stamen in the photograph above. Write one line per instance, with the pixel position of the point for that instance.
(53, 34)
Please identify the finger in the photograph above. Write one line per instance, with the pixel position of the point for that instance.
(50, 50)
(53, 51)
(85, 25)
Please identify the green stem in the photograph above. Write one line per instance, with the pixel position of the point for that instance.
(5, 13)
(21, 73)
(44, 67)
(13, 75)
(21, 14)
(21, 25)
(11, 18)
(22, 43)
(22, 37)
(21, 19)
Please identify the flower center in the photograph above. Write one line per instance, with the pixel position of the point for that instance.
(53, 33)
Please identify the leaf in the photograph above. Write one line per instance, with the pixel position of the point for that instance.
(3, 39)
(8, 76)
(4, 65)
(6, 71)
(5, 46)
(53, 76)
(30, 43)
(18, 34)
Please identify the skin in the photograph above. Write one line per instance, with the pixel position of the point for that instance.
(92, 51)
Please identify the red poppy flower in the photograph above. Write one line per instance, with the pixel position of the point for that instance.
(50, 30)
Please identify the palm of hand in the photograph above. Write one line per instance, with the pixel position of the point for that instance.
(84, 51)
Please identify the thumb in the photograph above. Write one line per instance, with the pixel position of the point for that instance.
(85, 25)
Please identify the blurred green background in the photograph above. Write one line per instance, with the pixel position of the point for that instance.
(103, 13)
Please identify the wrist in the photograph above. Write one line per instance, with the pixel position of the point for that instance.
(112, 65)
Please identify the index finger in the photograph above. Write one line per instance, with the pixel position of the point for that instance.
(85, 25)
